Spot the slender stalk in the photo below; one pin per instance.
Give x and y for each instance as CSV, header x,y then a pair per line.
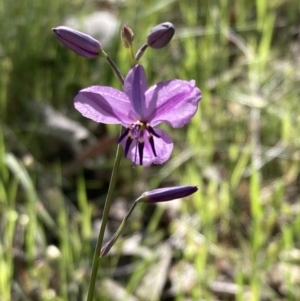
x,y
115,70
112,66
140,52
132,60
97,258
108,201
115,237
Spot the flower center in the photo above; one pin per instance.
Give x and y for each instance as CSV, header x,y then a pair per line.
x,y
139,131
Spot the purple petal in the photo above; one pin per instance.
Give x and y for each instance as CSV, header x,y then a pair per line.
x,y
135,86
105,105
163,147
174,102
167,194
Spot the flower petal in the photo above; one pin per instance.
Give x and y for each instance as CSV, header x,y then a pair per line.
x,y
135,86
163,147
174,102
105,105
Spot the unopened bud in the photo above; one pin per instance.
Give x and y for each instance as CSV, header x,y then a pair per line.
x,y
167,194
81,43
127,36
160,35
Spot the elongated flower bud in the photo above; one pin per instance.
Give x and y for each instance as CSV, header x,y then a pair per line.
x,y
81,43
160,35
153,196
127,36
166,194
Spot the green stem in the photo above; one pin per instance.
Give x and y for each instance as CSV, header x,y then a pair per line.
x,y
96,259
115,69
132,60
115,237
108,201
112,66
140,52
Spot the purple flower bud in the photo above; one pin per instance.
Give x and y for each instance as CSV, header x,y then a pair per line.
x,y
160,35
167,194
127,36
78,42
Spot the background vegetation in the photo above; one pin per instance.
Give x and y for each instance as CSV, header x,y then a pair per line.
x,y
236,239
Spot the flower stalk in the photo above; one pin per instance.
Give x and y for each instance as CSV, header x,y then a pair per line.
x,y
112,241
108,201
114,69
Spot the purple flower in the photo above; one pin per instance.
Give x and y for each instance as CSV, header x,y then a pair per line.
x,y
167,194
140,110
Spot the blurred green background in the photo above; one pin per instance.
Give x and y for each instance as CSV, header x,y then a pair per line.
x,y
238,238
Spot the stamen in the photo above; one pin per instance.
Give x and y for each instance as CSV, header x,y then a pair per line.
x,y
128,143
136,132
151,141
135,153
141,151
151,131
124,134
